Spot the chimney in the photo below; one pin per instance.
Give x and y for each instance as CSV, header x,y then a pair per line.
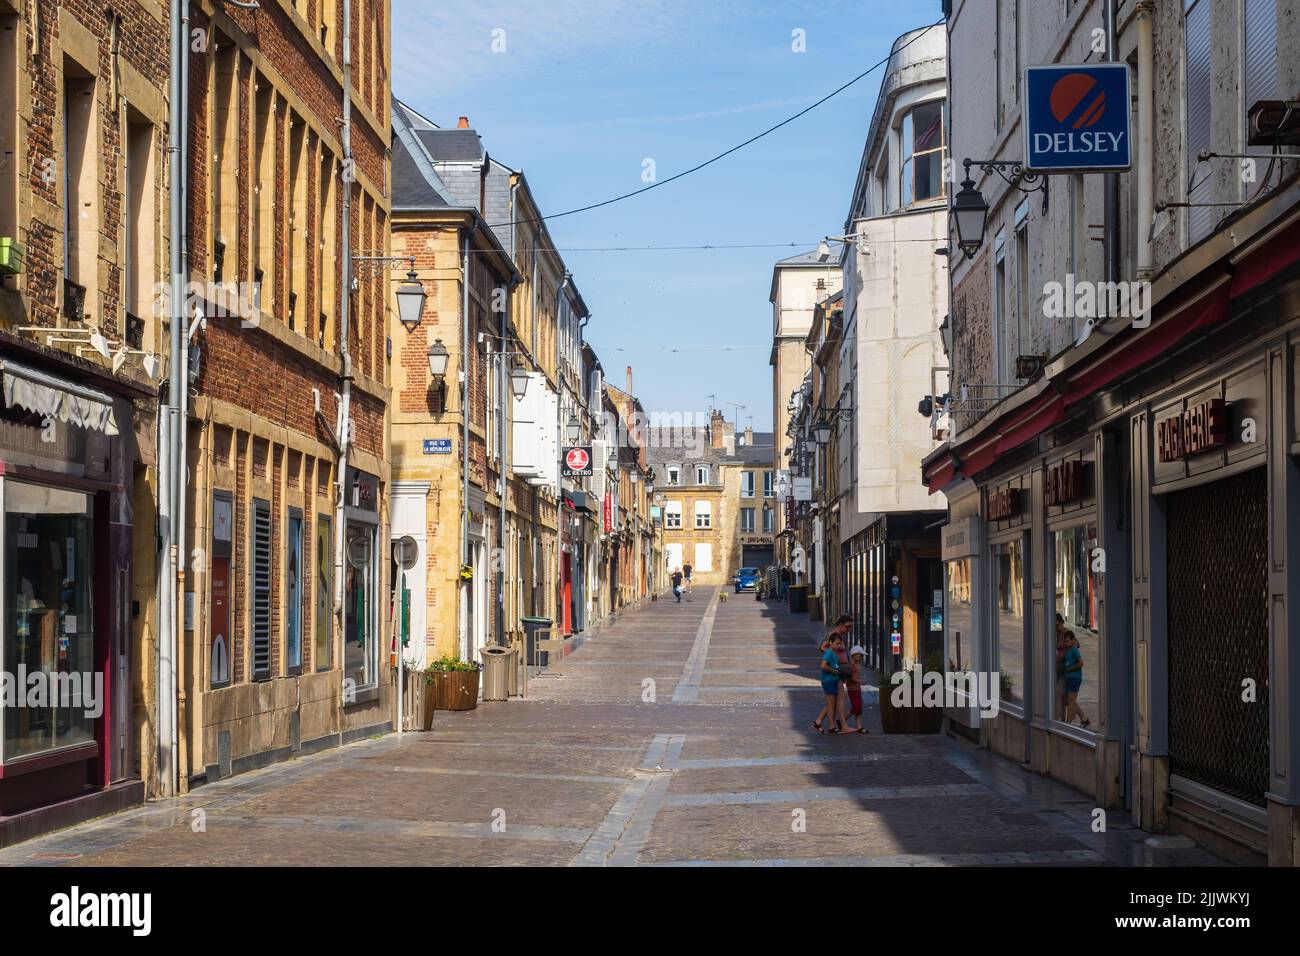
x,y
717,430
463,123
749,434
629,380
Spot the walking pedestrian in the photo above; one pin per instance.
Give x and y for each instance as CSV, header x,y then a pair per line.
x,y
830,677
677,584
687,571
853,687
1074,681
785,582
1062,646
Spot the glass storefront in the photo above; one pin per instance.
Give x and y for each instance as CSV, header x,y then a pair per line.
x,y
960,617
1076,592
360,636
1009,619
49,624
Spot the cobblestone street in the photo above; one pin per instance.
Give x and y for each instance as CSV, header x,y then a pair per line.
x,y
585,773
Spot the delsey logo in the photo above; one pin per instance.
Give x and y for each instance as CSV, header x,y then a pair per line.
x,y
1077,101
76,909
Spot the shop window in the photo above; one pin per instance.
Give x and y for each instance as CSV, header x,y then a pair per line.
x,y
1009,619
921,174
293,594
961,634
261,590
321,652
360,657
49,584
1076,640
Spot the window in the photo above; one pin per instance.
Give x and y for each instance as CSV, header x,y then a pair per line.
x,y
673,514
360,647
747,520
326,256
10,40
768,490
747,484
1259,45
703,515
293,594
80,192
140,219
1198,119
921,175
958,616
701,474
262,201
219,660
674,475
296,260
49,550
1076,599
703,558
321,654
261,590
769,520
225,153
1000,334
1023,334
1009,619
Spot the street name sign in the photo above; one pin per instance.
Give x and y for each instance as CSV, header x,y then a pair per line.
x,y
437,446
1077,118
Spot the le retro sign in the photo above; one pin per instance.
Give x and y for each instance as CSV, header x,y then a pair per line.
x,y
1077,118
577,461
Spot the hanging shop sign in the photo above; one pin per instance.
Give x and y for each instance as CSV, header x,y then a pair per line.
x,y
609,513
958,539
577,461
1002,504
362,490
803,490
1199,428
1077,118
1064,483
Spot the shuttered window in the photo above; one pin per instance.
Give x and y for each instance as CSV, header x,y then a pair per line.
x,y
261,590
1196,28
1259,21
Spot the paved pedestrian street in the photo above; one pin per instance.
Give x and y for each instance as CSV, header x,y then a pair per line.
x,y
679,736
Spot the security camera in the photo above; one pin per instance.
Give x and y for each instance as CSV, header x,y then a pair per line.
x,y
925,407
1088,326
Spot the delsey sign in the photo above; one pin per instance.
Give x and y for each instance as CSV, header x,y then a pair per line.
x,y
1077,118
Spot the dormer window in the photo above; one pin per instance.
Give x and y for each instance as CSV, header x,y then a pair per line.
x,y
701,474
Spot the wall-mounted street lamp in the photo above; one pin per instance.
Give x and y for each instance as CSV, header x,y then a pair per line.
x,y
438,356
824,247
970,210
573,431
821,429
518,381
410,294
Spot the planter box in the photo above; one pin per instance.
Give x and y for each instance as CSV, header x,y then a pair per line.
x,y
450,690
908,720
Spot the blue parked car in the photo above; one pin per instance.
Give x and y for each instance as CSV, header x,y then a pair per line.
x,y
747,579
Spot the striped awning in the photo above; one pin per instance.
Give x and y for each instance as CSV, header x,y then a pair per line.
x,y
48,395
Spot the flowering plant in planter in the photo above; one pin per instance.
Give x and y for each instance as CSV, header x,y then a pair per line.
x,y
451,684
445,664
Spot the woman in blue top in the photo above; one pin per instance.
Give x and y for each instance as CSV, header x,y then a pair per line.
x,y
1072,666
830,675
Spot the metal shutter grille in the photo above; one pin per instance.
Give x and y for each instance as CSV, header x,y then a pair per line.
x,y
1260,37
261,590
1217,547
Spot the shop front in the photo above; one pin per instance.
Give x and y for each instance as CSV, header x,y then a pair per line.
x,y
67,462
361,605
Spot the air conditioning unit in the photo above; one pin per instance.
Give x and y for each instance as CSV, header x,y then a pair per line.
x,y
1273,123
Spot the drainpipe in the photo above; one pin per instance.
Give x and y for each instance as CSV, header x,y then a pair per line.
x,y
463,589
170,426
1146,137
560,514
1111,233
345,401
504,457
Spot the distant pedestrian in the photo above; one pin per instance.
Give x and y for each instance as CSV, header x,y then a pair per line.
x,y
677,585
785,582
830,678
853,687
686,570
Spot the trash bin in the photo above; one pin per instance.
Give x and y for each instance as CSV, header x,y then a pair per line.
x,y
496,672
512,669
532,657
798,598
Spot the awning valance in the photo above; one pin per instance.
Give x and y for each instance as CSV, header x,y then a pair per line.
x,y
48,395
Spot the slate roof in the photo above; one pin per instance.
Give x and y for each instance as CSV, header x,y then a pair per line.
x,y
452,145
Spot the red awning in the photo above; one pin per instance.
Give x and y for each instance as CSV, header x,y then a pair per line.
x,y
1278,253
1041,415
942,474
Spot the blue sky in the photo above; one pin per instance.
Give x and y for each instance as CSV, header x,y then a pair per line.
x,y
587,90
